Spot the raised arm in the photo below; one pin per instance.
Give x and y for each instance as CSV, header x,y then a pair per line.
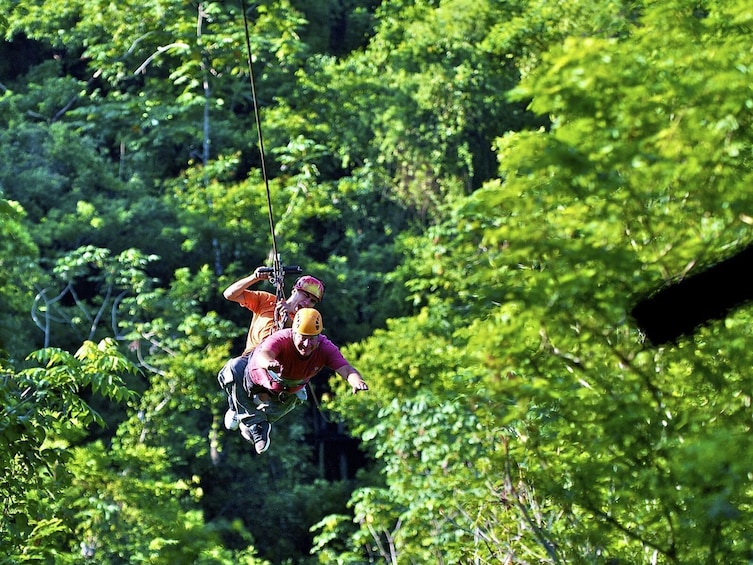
x,y
235,291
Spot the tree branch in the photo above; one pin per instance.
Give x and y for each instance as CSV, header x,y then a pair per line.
x,y
142,67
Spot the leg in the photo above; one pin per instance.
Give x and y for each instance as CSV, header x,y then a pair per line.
x,y
230,379
267,408
275,408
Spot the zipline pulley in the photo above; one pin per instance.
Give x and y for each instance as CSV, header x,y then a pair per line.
x,y
278,272
277,278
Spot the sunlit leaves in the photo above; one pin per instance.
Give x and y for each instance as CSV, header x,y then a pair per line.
x,y
665,141
630,173
111,503
517,415
18,272
44,410
642,176
99,366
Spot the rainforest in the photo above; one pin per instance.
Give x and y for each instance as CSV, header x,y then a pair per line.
x,y
498,196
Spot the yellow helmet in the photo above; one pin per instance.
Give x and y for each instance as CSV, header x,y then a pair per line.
x,y
307,321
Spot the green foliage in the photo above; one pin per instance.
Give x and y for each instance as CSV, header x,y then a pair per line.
x,y
111,501
72,197
18,272
43,412
155,73
50,171
91,289
579,442
514,413
417,110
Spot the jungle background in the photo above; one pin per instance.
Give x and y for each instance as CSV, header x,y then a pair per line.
x,y
487,188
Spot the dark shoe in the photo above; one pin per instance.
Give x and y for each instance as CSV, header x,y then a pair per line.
x,y
258,434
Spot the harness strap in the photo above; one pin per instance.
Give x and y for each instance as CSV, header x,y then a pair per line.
x,y
260,380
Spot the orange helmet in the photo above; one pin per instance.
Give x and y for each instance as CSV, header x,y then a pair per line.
x,y
309,284
307,321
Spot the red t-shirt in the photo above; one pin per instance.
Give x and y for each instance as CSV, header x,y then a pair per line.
x,y
295,367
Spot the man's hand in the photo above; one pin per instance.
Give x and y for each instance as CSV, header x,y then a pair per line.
x,y
282,312
261,273
274,365
355,381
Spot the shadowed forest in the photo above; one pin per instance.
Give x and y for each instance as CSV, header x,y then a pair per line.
x,y
533,220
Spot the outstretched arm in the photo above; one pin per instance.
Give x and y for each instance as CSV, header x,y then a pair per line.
x,y
264,358
235,291
354,378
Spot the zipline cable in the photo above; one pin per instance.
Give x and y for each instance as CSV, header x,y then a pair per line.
x,y
278,273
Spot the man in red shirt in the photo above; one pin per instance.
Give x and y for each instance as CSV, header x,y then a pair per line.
x,y
307,292
280,367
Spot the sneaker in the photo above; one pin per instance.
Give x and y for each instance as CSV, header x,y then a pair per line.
x,y
231,420
258,434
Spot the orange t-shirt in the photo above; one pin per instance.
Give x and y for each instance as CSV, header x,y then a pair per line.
x,y
262,304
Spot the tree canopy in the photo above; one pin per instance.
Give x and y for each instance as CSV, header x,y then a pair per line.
x,y
487,189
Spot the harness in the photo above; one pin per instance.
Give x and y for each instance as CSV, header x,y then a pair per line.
x,y
289,385
259,380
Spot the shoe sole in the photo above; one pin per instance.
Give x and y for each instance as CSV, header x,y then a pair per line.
x,y
266,444
231,425
246,434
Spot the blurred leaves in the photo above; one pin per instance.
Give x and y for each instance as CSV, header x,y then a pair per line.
x,y
486,189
